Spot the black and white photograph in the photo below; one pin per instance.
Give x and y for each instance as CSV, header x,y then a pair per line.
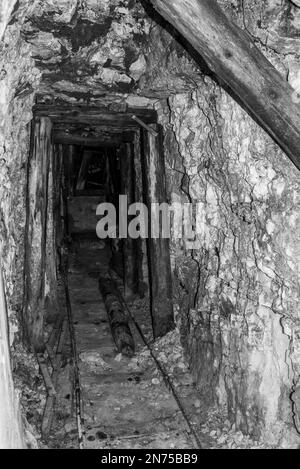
x,y
149,228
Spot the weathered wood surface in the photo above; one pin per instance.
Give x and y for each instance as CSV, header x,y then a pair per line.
x,y
96,115
158,247
65,139
131,246
36,229
233,57
117,319
50,389
10,421
58,203
142,265
52,225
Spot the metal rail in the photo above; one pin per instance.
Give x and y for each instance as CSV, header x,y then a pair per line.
x,y
77,386
168,381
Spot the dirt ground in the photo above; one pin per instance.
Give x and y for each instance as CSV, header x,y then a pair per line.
x,y
126,403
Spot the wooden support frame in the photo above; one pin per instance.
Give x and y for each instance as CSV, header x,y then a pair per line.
x,y
158,249
95,115
237,62
36,231
65,139
131,246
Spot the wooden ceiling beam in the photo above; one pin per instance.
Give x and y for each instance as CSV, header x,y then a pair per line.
x,y
69,139
95,115
238,63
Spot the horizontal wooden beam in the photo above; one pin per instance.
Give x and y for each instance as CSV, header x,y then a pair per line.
x,y
95,116
93,143
233,57
91,130
114,140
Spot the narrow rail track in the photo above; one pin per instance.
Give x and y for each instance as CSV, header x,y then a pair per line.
x,y
76,384
115,405
166,378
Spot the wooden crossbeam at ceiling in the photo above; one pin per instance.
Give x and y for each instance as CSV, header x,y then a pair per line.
x,y
66,139
91,115
234,58
92,137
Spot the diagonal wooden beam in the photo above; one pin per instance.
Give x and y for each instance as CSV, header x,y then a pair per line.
x,y
81,180
237,62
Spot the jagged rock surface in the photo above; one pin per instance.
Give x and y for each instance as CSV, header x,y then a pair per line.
x,y
238,295
242,322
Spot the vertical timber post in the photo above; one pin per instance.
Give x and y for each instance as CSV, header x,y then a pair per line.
x,y
68,161
36,231
140,246
51,305
158,248
58,204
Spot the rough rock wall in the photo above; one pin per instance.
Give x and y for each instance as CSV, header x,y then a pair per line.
x,y
104,51
72,50
242,323
238,293
18,78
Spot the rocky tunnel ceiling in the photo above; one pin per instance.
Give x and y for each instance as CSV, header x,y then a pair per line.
x,y
90,51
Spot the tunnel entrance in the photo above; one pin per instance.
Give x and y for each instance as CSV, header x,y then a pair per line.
x,y
80,159
98,175
95,157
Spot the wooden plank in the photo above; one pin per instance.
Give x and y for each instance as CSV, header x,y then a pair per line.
x,y
65,138
131,246
35,236
158,248
51,303
233,57
93,131
117,319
